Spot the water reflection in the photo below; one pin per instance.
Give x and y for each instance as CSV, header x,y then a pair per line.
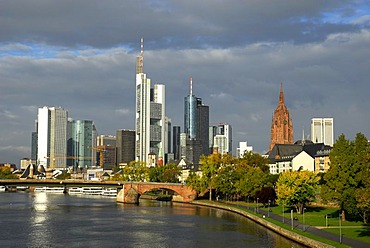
x,y
49,220
40,232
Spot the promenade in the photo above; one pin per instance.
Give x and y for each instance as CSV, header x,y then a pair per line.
x,y
265,215
318,231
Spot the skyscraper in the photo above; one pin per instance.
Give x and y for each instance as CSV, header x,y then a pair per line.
x,y
52,137
243,147
150,115
196,124
176,142
83,140
222,137
282,125
322,131
125,146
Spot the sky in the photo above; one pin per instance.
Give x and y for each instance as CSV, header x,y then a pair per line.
x,y
80,55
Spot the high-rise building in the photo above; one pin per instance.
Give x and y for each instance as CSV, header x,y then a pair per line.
x,y
34,147
83,143
125,145
150,115
282,125
221,137
106,140
322,131
243,147
176,142
52,137
196,124
106,151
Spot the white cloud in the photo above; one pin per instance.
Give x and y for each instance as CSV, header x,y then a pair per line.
x,y
122,112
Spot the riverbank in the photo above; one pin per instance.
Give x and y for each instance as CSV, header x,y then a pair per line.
x,y
295,236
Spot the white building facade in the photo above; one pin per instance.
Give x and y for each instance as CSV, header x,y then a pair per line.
x,y
322,131
52,137
150,115
222,137
243,147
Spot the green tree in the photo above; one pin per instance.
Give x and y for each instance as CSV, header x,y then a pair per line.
x,y
135,171
226,181
171,173
252,159
363,203
195,181
296,188
168,173
348,174
251,181
6,173
209,167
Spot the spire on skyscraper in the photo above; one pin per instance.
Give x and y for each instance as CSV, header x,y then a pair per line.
x,y
191,86
139,59
142,46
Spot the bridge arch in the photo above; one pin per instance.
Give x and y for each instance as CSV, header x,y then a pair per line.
x,y
131,191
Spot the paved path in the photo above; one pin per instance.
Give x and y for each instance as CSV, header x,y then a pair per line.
x,y
313,230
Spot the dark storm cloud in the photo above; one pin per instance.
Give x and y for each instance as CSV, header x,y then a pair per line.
x,y
81,55
177,24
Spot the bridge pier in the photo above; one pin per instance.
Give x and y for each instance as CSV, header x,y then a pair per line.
x,y
129,195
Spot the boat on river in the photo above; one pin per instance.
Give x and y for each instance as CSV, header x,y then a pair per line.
x,y
59,190
92,190
2,188
109,192
75,190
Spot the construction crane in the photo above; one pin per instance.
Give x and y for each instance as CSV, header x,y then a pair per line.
x,y
100,150
55,157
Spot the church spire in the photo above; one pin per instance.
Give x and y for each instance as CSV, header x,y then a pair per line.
x,y
281,97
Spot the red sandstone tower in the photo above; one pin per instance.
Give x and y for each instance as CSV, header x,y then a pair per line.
x,y
282,125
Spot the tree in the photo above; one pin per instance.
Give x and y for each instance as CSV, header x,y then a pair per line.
x,y
194,180
136,171
226,181
251,181
266,195
252,159
171,173
209,167
6,173
348,174
168,173
297,188
363,203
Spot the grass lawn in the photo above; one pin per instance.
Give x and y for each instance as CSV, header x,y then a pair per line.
x,y
287,223
315,216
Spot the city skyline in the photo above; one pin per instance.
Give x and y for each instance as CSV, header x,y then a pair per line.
x,y
238,54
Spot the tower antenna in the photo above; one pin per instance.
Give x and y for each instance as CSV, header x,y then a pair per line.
x,y
142,46
191,86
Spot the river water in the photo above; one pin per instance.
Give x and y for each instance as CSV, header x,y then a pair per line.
x,y
57,220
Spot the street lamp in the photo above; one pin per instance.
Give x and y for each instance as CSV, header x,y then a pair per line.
x,y
291,217
304,226
340,228
268,212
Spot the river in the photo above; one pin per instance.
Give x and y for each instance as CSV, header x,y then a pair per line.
x,y
57,220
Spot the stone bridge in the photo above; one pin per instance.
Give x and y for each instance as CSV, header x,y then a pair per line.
x,y
128,192
131,191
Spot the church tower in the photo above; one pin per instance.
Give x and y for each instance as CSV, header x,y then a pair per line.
x,y
282,125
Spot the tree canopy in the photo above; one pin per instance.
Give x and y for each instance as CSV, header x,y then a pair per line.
x,y
297,188
231,177
347,180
